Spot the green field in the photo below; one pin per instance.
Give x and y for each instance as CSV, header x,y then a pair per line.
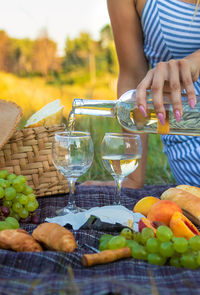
x,y
158,171
33,93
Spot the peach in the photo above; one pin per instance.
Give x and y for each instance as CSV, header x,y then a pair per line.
x,y
182,226
162,211
144,204
144,222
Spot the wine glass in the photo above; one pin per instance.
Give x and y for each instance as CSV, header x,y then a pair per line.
x,y
72,155
120,154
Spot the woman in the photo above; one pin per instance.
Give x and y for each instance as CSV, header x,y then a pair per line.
x,y
164,34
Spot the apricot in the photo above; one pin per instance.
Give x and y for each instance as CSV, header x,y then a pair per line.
x,y
162,211
182,226
144,204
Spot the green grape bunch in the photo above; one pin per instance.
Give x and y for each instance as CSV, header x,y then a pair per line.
x,y
162,248
17,199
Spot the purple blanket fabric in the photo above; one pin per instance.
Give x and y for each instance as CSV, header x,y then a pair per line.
x,y
62,273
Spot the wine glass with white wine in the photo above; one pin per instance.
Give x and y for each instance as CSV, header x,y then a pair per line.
x,y
121,153
72,155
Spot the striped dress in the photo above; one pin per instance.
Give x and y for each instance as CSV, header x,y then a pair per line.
x,y
172,31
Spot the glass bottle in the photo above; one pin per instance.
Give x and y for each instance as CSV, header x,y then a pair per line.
x,y
130,117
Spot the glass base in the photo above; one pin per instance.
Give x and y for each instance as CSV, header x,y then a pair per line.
x,y
67,210
116,203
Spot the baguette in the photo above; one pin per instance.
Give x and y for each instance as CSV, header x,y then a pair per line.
x,y
105,256
191,189
189,203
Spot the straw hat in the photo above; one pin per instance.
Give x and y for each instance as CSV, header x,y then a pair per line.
x,y
10,116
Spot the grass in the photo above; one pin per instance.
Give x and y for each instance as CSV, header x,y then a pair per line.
x,y
158,171
33,93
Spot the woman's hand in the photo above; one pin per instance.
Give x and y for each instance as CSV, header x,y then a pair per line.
x,y
171,77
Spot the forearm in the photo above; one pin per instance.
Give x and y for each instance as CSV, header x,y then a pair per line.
x,y
137,178
126,82
130,80
128,39
133,65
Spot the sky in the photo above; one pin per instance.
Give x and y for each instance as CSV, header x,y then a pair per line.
x,y
61,18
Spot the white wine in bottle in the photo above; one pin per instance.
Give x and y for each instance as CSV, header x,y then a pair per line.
x,y
129,116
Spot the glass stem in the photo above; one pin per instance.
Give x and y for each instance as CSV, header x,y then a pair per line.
x,y
71,202
118,185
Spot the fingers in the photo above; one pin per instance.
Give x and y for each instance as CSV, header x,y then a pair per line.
x,y
186,78
154,79
175,89
159,78
175,73
141,92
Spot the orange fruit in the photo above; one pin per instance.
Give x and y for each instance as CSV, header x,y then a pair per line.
x,y
143,205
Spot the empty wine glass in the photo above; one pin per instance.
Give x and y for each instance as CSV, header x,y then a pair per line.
x,y
120,154
72,155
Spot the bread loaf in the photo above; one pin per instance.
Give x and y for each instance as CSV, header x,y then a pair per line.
x,y
189,203
191,189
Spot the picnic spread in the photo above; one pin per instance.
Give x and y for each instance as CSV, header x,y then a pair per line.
x,y
147,244
54,272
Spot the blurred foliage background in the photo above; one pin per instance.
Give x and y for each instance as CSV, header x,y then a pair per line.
x,y
33,74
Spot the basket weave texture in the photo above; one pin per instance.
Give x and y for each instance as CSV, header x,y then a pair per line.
x,y
28,152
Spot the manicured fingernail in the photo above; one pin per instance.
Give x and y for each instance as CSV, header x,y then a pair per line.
x,y
177,115
142,110
192,103
161,118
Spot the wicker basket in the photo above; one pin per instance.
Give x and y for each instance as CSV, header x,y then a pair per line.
x,y
28,152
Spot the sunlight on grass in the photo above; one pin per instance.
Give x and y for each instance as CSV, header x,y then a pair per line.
x,y
33,93
158,171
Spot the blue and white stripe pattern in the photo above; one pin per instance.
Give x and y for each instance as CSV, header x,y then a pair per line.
x,y
172,31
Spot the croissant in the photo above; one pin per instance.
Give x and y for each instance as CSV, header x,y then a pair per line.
x,y
18,240
55,237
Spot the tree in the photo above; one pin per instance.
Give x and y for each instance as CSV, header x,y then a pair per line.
x,y
106,36
44,55
20,56
80,53
107,54
4,51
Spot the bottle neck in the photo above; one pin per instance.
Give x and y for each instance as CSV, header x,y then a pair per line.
x,y
92,107
107,108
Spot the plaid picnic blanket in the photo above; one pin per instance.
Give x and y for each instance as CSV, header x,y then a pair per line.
x,y
55,273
